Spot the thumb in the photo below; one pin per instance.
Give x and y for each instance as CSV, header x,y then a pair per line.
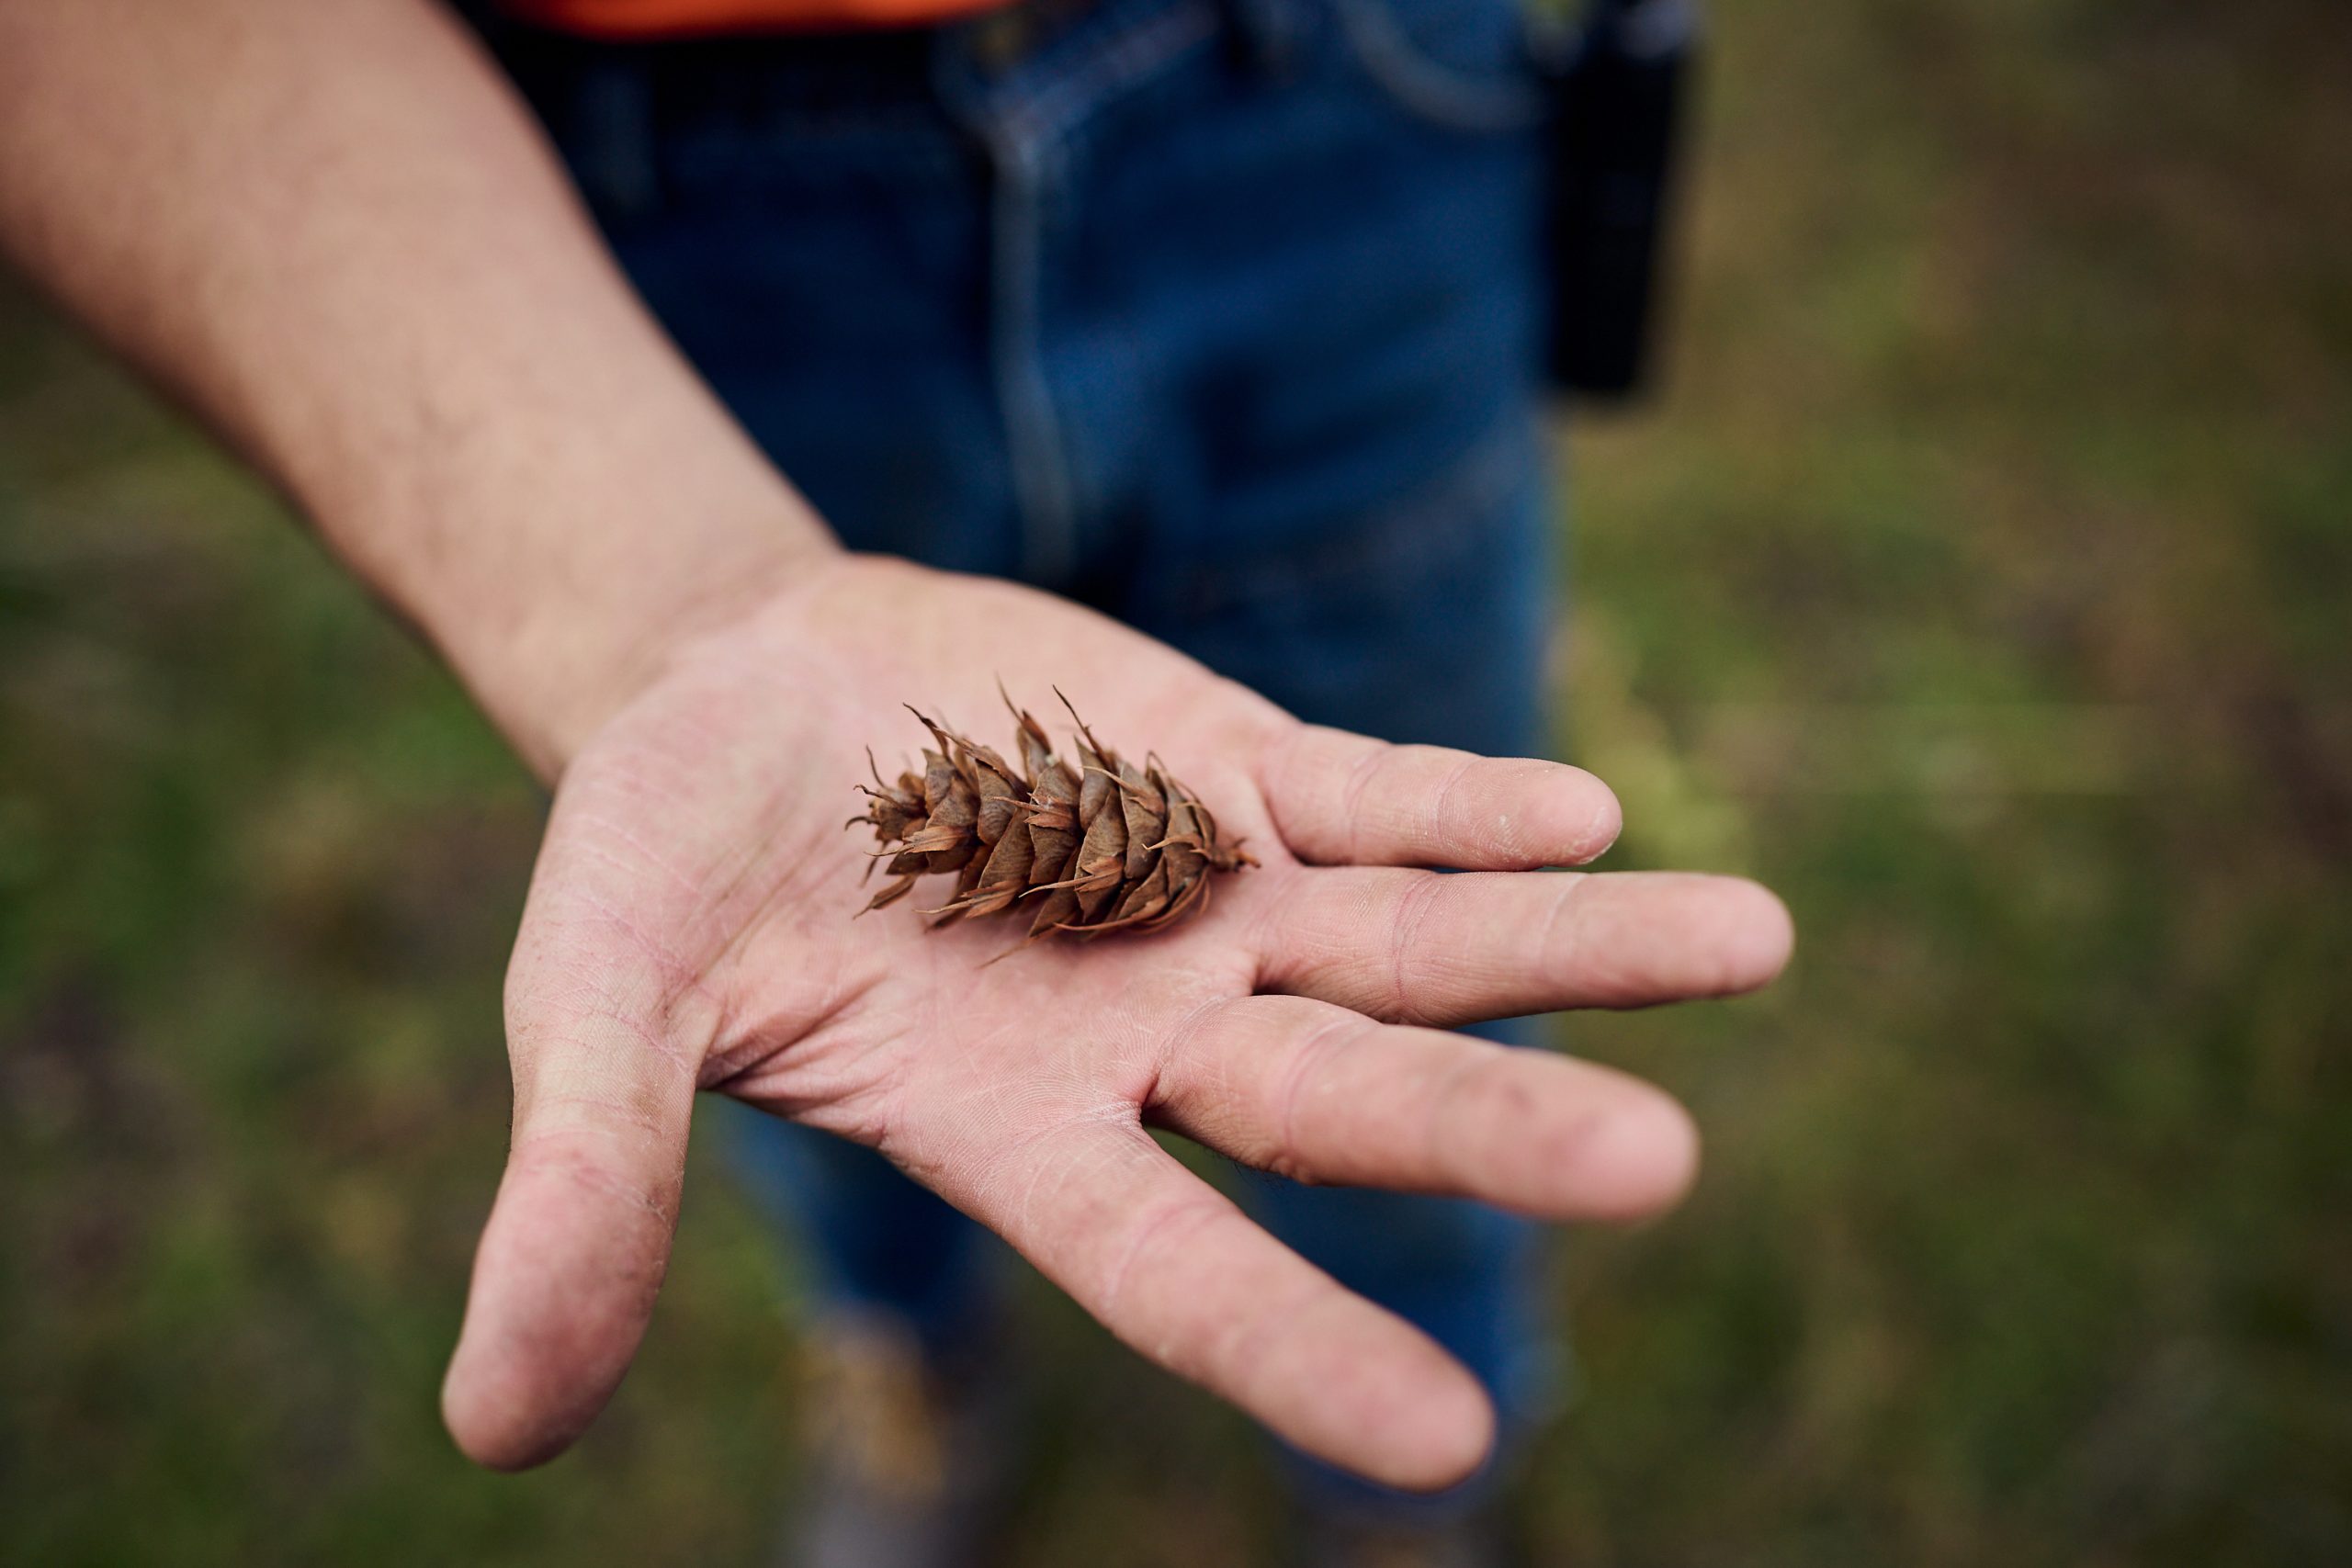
x,y
579,1239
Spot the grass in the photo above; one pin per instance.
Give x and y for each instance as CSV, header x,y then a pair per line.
x,y
1981,586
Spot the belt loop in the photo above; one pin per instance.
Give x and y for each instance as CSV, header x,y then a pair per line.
x,y
612,112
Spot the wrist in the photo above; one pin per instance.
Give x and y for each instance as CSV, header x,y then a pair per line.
x,y
564,668
557,571
559,576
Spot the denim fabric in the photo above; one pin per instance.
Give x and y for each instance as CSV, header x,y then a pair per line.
x,y
1219,315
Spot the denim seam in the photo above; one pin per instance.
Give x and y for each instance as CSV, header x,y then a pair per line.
x,y
1023,141
1459,100
1041,476
1060,102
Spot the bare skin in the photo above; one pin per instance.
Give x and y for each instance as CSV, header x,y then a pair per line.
x,y
326,224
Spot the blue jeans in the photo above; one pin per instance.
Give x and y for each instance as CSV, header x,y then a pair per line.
x,y
1218,315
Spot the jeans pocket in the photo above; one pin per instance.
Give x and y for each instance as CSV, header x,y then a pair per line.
x,y
1462,66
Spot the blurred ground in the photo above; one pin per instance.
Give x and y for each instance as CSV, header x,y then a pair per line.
x,y
1983,587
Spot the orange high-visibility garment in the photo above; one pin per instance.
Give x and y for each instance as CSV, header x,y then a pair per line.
x,y
682,18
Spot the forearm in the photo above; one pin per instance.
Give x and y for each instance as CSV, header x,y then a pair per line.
x,y
330,226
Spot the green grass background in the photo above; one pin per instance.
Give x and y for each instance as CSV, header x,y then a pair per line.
x,y
1982,585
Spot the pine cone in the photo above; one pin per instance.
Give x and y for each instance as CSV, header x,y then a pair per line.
x,y
1110,847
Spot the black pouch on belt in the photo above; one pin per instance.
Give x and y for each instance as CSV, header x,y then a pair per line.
x,y
1618,86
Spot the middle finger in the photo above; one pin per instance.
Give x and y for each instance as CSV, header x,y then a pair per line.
x,y
1423,947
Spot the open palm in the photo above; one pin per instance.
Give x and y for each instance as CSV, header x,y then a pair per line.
x,y
690,926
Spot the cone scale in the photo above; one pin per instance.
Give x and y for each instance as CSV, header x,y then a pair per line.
x,y
1106,845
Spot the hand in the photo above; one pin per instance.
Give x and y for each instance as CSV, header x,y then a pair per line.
x,y
689,927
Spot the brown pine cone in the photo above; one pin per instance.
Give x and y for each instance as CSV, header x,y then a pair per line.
x,y
1109,847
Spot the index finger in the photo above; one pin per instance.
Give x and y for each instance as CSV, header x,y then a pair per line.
x,y
1344,799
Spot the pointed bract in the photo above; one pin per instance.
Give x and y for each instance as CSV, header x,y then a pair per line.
x,y
1100,847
